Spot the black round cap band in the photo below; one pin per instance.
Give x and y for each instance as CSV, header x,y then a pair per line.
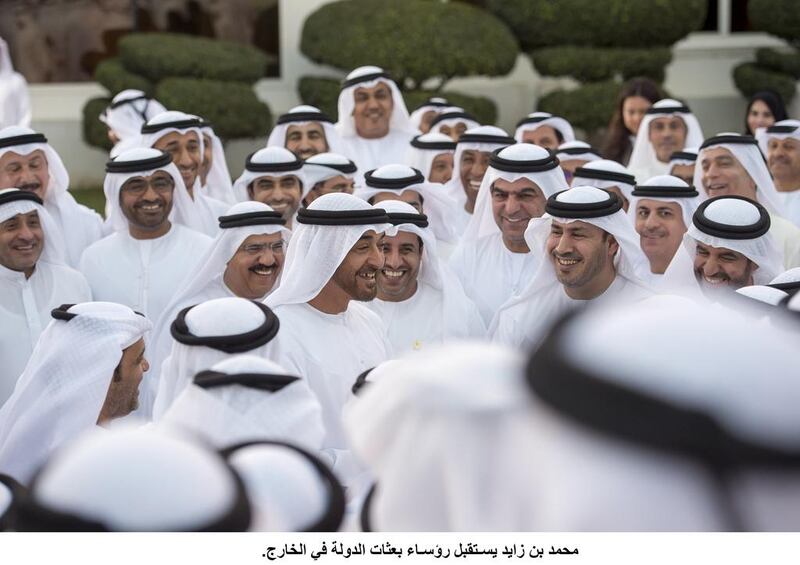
x,y
597,174
434,103
17,195
397,218
665,192
393,184
347,169
452,116
584,209
683,155
286,167
148,164
177,124
735,139
365,78
239,343
264,218
781,129
23,139
727,231
433,145
128,101
578,151
62,313
260,381
290,117
486,138
342,217
512,166
534,120
669,110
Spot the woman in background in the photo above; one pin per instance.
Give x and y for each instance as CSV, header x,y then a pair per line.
x,y
764,109
634,99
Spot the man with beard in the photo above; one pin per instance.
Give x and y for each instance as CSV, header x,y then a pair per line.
x,y
419,298
85,371
732,164
544,129
731,244
28,162
782,142
142,265
493,260
273,176
373,120
305,131
326,334
470,162
668,126
592,255
33,279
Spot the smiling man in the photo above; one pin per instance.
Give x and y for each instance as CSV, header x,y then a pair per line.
x,y
732,246
373,120
493,260
33,279
141,264
305,131
782,142
667,127
273,176
592,254
327,335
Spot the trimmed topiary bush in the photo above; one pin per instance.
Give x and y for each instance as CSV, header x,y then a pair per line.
x,y
232,108
778,17
324,94
750,78
588,107
592,64
786,63
116,78
414,40
610,23
95,131
161,55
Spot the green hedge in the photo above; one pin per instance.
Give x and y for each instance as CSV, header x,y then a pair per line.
x,y
324,94
589,107
778,17
786,63
592,64
412,39
95,131
750,78
607,23
115,78
161,55
231,107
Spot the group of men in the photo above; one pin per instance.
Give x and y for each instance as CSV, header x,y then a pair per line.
x,y
249,309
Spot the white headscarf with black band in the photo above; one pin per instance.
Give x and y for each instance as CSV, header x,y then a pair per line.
x,y
436,104
207,208
144,162
578,150
325,166
524,319
14,202
269,162
65,383
240,222
484,139
644,162
210,332
536,120
247,398
173,483
687,156
452,116
301,116
605,174
788,281
79,225
779,130
128,112
218,181
397,179
425,148
324,234
738,224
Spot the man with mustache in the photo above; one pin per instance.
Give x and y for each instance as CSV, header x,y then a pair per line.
x,y
148,255
327,335
592,255
33,280
732,245
782,142
29,163
373,120
668,126
732,164
493,260
305,131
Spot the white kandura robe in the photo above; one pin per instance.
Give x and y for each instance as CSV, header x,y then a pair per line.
x,y
25,306
523,325
330,351
370,154
491,274
421,321
791,206
787,239
142,274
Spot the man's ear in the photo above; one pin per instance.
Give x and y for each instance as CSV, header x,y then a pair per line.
x,y
613,246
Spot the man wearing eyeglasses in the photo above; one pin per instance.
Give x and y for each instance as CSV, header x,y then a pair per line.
x,y
151,248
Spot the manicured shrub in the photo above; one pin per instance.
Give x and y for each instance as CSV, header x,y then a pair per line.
x,y
750,78
592,64
95,131
116,78
589,107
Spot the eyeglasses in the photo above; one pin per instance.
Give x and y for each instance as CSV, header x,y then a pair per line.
x,y
138,186
259,248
